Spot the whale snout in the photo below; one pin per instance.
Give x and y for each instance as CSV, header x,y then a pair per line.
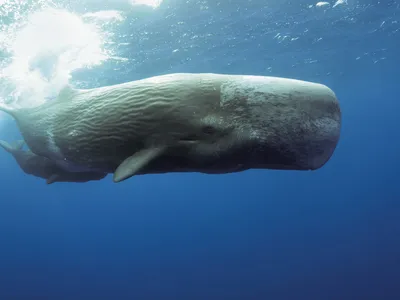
x,y
320,121
296,124
323,143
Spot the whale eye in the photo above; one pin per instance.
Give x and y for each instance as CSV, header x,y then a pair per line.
x,y
206,130
191,138
209,130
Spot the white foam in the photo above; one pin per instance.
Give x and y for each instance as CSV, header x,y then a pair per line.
x,y
339,2
322,3
45,46
105,15
151,3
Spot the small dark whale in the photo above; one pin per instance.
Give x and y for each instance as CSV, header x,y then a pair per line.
x,y
209,123
43,167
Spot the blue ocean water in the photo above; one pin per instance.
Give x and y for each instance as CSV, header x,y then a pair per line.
x,y
328,234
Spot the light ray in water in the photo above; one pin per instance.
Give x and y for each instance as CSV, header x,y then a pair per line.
x,y
43,50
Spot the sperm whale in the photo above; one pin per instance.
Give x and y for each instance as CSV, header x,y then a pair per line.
x,y
186,122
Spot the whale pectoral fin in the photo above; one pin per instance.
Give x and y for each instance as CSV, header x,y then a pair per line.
x,y
134,163
6,146
19,144
53,178
12,148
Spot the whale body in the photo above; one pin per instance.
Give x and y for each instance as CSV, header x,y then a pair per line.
x,y
186,122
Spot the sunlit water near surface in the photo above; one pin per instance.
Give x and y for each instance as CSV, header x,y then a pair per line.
x,y
329,234
44,42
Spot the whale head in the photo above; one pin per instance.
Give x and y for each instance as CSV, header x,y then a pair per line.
x,y
213,123
270,123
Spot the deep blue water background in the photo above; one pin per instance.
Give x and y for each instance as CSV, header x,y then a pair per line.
x,y
329,234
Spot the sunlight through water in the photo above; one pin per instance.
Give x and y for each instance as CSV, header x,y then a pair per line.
x,y
43,48
42,44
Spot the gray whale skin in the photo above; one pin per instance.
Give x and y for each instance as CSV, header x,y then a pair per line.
x,y
186,122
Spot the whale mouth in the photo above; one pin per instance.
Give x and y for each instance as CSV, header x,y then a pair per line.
x,y
327,136
320,143
323,153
